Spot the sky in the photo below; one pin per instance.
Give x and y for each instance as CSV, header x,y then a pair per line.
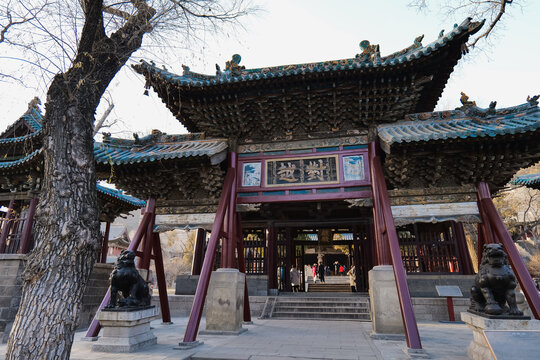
x,y
299,31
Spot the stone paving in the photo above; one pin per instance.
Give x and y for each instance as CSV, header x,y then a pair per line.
x,y
290,339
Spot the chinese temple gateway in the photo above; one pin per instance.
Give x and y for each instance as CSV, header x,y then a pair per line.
x,y
344,154
332,161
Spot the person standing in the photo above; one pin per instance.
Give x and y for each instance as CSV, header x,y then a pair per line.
x,y
352,278
295,279
321,272
341,270
314,271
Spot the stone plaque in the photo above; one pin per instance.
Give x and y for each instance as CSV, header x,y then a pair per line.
x,y
447,290
512,345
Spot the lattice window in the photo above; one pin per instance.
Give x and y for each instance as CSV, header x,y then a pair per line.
x,y
429,248
255,251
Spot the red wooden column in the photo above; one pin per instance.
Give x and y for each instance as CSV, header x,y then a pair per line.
x,y
105,243
204,279
6,226
383,201
27,230
381,242
271,258
522,274
463,249
242,267
480,243
198,251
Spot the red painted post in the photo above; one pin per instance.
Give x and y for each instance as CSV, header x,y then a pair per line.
x,y
522,274
271,252
204,279
105,243
144,262
93,329
162,284
198,251
6,226
231,218
381,234
463,249
482,191
242,267
450,304
409,321
27,230
480,243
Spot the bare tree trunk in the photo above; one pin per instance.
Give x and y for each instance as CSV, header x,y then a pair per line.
x,y
66,234
67,226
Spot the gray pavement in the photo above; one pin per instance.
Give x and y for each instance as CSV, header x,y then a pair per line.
x,y
290,339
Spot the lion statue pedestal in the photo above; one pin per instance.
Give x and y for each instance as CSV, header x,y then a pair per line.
x,y
126,319
493,302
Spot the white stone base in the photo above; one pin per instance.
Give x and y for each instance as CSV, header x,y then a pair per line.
x,y
225,302
383,296
478,348
126,331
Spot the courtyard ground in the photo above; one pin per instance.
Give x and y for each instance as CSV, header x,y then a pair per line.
x,y
290,339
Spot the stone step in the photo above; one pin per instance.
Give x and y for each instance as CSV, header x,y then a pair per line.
x,y
356,310
322,316
324,303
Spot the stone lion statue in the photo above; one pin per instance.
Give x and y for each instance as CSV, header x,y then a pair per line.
x,y
126,279
493,292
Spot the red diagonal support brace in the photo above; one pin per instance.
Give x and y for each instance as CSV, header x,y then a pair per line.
x,y
204,278
383,201
522,274
162,285
94,328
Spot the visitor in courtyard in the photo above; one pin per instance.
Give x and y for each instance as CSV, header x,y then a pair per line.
x,y
336,267
314,271
295,279
321,272
352,278
327,270
341,270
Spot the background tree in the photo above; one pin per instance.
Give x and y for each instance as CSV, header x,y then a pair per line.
x,y
83,45
492,11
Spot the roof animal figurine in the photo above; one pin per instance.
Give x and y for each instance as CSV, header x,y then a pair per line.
x,y
465,101
369,52
233,66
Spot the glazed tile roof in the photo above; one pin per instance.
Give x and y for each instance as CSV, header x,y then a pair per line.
x,y
119,194
466,122
531,180
156,147
32,119
235,73
21,162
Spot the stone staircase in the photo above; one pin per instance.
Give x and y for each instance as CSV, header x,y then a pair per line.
x,y
331,284
307,307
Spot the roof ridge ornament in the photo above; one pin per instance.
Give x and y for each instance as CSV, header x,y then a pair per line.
x,y
369,52
33,104
233,66
533,101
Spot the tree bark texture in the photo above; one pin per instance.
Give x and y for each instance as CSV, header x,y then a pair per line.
x,y
66,230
